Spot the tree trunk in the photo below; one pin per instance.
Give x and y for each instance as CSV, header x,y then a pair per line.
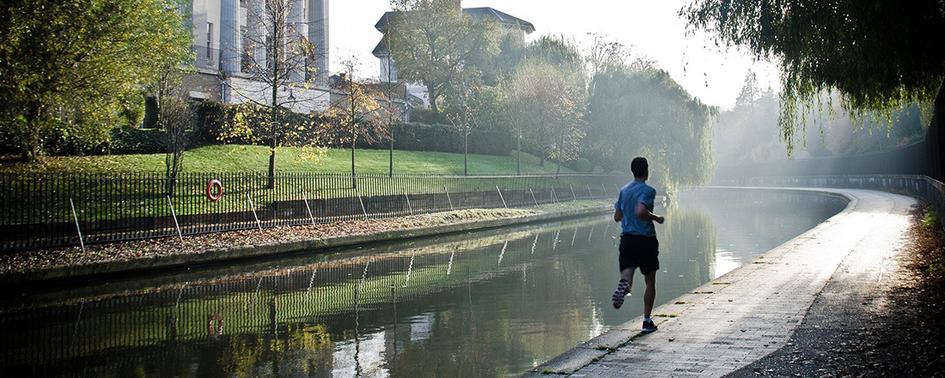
x,y
432,96
33,146
518,155
465,153
354,177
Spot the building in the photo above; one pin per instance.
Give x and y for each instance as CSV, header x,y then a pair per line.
x,y
511,26
232,58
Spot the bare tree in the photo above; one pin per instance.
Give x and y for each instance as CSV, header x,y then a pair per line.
x,y
277,53
356,115
603,54
461,112
176,119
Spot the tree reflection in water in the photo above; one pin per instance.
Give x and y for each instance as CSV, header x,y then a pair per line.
x,y
487,303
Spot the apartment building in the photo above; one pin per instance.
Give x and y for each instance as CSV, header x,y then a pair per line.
x,y
233,44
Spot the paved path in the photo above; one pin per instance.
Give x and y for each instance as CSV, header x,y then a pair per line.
x,y
752,311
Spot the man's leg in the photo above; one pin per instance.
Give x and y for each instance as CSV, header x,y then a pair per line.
x,y
627,274
623,286
649,295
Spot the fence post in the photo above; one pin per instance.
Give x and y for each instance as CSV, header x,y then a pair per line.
x,y
170,205
448,198
589,193
307,207
501,197
573,197
406,197
363,209
533,196
603,190
77,228
554,197
253,208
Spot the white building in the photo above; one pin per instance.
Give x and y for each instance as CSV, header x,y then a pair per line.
x,y
230,39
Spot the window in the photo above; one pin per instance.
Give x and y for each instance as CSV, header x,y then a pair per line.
x,y
210,41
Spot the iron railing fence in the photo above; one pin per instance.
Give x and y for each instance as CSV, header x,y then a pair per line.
x,y
42,210
919,186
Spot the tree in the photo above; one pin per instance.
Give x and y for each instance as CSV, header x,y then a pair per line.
x,y
176,119
356,116
879,55
550,103
433,42
461,111
604,55
277,53
633,113
68,67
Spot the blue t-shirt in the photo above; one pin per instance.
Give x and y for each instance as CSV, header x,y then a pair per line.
x,y
634,192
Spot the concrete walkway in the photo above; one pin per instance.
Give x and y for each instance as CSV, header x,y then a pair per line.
x,y
752,311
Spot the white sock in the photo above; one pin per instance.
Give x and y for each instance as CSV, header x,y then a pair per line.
x,y
647,319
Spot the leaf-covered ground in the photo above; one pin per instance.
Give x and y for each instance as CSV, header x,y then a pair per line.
x,y
897,330
143,249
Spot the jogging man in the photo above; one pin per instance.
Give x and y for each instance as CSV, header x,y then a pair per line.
x,y
638,245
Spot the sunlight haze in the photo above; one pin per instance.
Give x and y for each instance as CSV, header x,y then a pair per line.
x,y
653,29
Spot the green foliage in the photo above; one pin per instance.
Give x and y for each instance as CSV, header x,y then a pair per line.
x,y
433,42
251,124
71,70
930,219
646,113
879,55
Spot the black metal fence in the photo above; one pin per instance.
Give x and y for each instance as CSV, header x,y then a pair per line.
x,y
54,209
919,186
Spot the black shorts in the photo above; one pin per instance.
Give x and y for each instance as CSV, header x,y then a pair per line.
x,y
637,251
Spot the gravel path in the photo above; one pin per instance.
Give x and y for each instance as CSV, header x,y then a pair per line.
x,y
134,250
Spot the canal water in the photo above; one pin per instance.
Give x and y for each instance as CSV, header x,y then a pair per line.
x,y
491,303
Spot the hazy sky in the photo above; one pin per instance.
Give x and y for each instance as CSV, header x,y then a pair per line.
x,y
714,75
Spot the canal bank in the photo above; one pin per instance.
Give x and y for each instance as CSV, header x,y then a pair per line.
x,y
242,245
753,310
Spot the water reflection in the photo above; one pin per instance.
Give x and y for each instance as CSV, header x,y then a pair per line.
x,y
491,303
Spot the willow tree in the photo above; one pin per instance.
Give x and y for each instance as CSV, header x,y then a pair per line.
x,y
68,68
879,55
645,112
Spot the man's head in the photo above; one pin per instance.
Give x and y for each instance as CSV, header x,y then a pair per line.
x,y
640,168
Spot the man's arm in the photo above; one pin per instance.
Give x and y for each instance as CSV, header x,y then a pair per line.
x,y
618,215
646,214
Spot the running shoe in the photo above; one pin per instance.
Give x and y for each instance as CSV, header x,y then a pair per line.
x,y
649,326
622,290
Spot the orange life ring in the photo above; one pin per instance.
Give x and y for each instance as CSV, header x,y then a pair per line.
x,y
215,325
214,190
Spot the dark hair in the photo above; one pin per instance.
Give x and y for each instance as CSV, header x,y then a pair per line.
x,y
639,167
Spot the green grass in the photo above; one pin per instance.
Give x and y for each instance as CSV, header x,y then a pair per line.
x,y
237,158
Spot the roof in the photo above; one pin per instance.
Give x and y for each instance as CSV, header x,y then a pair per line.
x,y
381,49
482,12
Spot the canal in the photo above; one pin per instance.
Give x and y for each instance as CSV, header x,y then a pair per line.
x,y
491,303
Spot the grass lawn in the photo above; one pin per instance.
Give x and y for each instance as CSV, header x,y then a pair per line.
x,y
232,158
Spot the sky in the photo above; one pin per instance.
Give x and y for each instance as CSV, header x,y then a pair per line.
x,y
714,75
